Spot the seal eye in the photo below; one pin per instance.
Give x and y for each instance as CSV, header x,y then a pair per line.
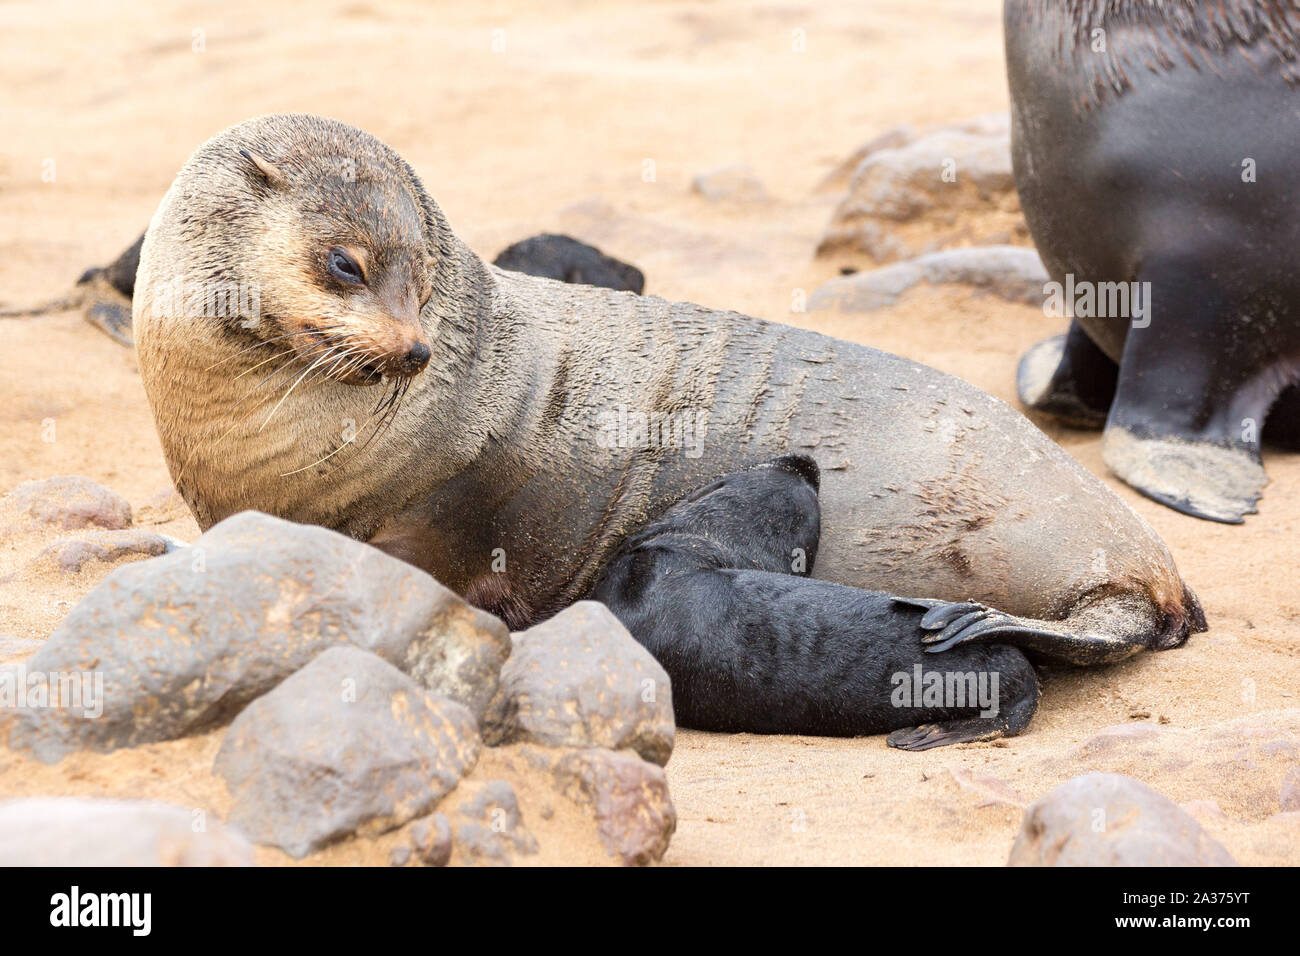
x,y
344,268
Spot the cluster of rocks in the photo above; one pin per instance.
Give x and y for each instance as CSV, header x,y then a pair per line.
x,y
357,694
940,206
97,519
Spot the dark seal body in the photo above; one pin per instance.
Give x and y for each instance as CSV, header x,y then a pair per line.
x,y
554,420
1155,143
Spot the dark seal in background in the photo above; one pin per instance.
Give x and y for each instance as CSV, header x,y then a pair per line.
x,y
1157,143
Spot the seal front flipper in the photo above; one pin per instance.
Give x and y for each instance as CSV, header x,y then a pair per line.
x,y
1069,378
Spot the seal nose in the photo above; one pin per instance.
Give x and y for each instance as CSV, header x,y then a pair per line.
x,y
416,359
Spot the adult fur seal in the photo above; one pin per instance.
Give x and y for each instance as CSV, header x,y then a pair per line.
x,y
1155,156
709,589
549,422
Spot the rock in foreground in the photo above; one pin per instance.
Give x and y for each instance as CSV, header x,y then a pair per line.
x,y
581,680
82,832
1103,819
348,745
629,798
182,642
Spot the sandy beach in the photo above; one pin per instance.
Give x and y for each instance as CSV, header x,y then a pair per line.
x,y
528,118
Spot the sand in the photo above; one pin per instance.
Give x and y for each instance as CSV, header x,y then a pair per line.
x,y
555,132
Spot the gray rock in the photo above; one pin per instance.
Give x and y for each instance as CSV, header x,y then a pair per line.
x,y
71,555
839,178
460,652
348,745
1103,819
490,830
71,501
183,641
399,855
629,798
581,680
82,832
893,188
729,184
1012,272
431,840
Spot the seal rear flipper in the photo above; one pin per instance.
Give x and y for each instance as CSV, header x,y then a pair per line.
x,y
1069,378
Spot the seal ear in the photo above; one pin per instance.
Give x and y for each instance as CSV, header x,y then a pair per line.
x,y
268,170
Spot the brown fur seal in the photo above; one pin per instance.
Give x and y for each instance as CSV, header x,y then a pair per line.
x,y
552,421
1155,157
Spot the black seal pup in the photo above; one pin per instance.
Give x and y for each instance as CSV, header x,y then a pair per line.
x,y
716,590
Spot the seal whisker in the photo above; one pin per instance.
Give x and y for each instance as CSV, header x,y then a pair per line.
x,y
252,391
343,364
260,343
386,419
385,402
318,461
252,368
348,358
